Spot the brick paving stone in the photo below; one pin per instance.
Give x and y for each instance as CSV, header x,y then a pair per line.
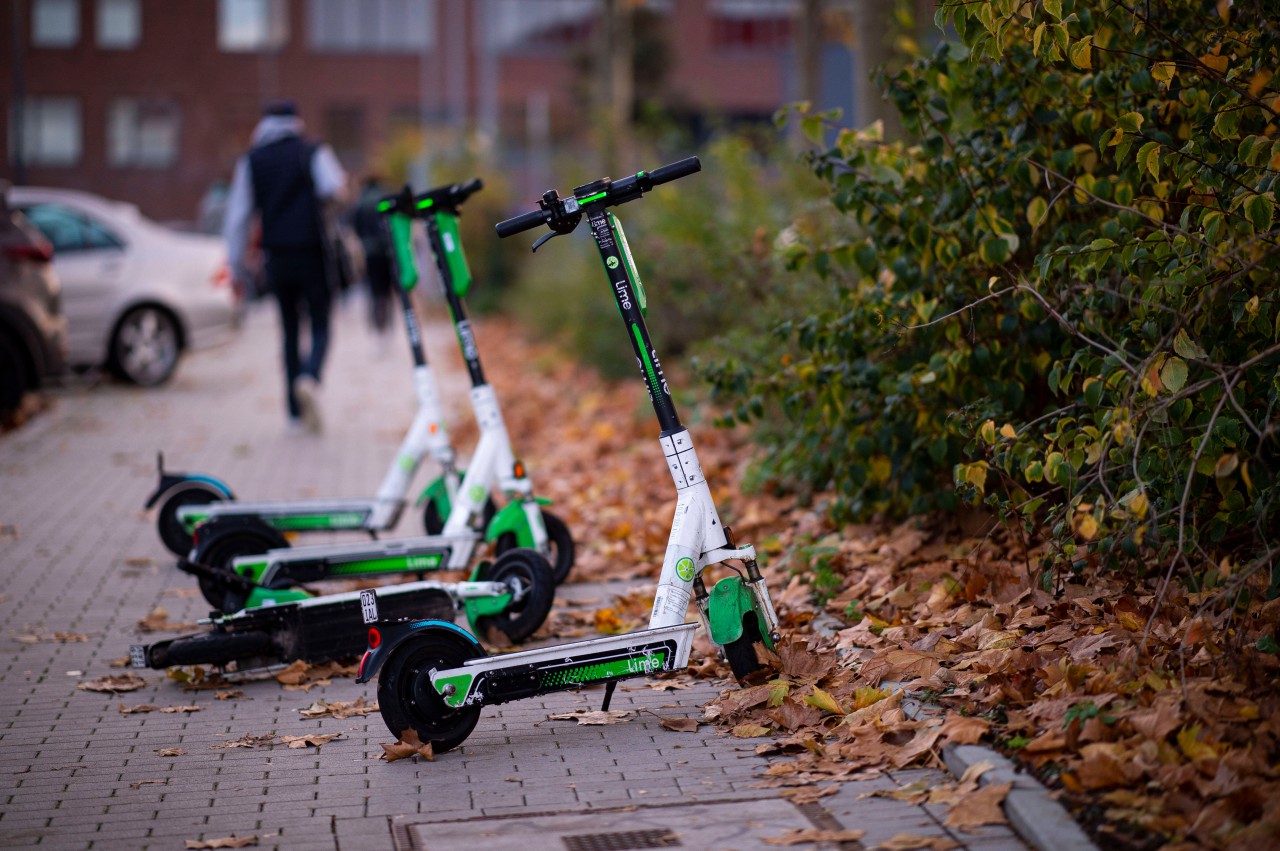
x,y
85,558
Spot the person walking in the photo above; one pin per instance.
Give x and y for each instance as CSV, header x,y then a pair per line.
x,y
287,180
376,246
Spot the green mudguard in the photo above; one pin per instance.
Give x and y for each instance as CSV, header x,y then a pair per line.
x,y
731,600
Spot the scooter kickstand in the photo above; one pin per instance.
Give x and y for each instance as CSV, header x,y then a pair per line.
x,y
608,694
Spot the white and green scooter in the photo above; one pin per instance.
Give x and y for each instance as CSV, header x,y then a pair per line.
x,y
234,527
241,565
435,677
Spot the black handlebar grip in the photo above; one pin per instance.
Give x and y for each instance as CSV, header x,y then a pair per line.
x,y
675,170
471,187
522,222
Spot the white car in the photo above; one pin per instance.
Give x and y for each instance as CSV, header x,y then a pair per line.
x,y
135,293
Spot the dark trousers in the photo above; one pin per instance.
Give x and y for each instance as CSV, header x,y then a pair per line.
x,y
378,270
297,277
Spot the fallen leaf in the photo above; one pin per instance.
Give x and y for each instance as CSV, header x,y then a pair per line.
x,y
979,807
60,637
679,725
138,784
809,836
339,709
171,752
749,731
230,694
589,717
408,745
248,740
309,741
964,730
114,683
158,621
224,842
151,707
802,795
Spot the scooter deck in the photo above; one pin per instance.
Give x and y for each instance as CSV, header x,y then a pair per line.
x,y
293,515
510,676
334,561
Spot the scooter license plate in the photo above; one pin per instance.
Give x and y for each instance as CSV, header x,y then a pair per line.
x,y
369,606
138,655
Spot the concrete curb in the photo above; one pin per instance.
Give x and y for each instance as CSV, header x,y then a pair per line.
x,y
1041,821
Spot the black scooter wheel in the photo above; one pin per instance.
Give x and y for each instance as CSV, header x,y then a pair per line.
x,y
741,653
211,648
406,698
528,575
174,535
562,551
433,522
219,550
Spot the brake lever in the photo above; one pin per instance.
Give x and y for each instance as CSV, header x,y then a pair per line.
x,y
550,235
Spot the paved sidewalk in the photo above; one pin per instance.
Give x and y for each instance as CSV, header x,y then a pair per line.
x,y
79,556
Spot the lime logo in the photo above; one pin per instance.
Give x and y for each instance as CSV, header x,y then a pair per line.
x,y
684,569
477,494
612,262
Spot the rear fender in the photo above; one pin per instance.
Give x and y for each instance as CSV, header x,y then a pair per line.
x,y
386,636
172,481
731,600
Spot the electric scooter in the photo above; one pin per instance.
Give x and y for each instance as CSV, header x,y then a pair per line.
x,y
188,500
435,677
247,546
321,629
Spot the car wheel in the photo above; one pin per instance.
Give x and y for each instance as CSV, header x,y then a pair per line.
x,y
145,347
13,374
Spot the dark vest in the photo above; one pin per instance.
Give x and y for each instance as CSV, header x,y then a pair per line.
x,y
284,194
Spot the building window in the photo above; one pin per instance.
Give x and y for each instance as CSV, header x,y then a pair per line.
x,y
248,25
119,24
50,131
752,24
55,23
520,26
142,133
371,26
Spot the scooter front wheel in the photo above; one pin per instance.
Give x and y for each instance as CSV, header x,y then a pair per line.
x,y
528,575
561,550
408,701
741,652
172,533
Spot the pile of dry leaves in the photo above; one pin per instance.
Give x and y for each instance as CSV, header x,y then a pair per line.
x,y
1157,724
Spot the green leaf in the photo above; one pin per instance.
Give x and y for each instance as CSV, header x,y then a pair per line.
x,y
1162,72
1079,53
1131,122
1036,38
1149,158
1187,347
1259,209
1054,7
811,126
994,251
1174,374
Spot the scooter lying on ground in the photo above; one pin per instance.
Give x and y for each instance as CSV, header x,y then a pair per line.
x,y
247,547
233,528
435,677
321,629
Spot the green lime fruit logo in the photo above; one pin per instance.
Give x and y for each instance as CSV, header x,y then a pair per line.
x,y
612,262
684,569
477,493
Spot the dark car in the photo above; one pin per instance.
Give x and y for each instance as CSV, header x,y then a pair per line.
x,y
33,332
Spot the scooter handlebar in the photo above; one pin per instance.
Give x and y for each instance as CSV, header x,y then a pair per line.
x,y
521,223
675,170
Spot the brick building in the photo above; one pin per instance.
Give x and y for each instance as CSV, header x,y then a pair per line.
x,y
151,100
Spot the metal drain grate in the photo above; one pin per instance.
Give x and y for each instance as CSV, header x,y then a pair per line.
x,y
622,840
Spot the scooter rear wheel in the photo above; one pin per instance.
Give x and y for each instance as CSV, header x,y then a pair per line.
x,y
560,542
174,535
407,699
219,550
526,571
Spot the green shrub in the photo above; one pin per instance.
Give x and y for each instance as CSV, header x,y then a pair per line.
x,y
1063,298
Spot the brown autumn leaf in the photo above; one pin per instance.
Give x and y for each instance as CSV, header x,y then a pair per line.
x,y
231,841
911,842
357,708
59,637
312,740
304,676
158,621
964,729
171,752
590,717
230,694
749,731
811,836
801,795
408,745
248,740
979,807
114,683
915,792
